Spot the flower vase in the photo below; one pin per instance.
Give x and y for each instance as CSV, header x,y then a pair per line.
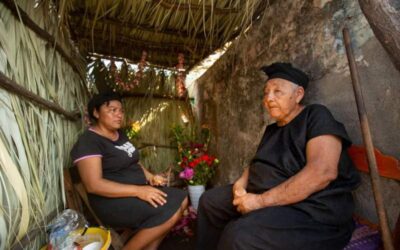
x,y
194,193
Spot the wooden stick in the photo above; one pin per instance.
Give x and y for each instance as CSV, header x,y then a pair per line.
x,y
202,7
116,22
373,169
154,96
93,56
17,89
145,145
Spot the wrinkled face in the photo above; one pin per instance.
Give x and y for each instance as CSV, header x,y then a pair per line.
x,y
110,115
282,98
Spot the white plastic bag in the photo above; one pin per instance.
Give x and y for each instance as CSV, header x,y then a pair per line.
x,y
63,230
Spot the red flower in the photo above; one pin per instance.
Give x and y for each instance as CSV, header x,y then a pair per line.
x,y
210,161
192,164
204,157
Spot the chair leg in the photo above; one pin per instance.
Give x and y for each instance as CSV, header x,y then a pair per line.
x,y
116,242
126,235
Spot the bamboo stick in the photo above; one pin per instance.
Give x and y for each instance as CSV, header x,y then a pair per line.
x,y
155,96
183,6
117,22
146,144
93,55
376,185
15,88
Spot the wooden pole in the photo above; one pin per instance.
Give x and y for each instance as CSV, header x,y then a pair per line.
x,y
15,88
376,185
154,96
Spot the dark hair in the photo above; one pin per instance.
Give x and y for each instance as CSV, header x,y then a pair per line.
x,y
100,99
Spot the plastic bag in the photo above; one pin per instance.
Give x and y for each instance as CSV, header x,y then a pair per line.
x,y
65,228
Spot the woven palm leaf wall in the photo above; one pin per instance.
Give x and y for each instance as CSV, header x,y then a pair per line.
x,y
34,141
157,118
152,104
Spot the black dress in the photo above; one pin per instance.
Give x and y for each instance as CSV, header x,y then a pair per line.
x,y
322,221
120,164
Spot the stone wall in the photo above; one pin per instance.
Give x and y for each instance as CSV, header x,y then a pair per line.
x,y
308,34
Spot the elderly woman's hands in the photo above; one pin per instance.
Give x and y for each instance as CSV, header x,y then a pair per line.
x,y
152,195
246,202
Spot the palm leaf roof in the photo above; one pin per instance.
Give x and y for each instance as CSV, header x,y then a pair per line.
x,y
163,28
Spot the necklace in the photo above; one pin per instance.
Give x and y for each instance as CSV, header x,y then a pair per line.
x,y
112,135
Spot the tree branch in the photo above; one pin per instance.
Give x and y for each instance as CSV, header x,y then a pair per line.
x,y
384,19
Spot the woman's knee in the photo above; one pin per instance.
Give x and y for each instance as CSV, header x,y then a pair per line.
x,y
215,198
205,201
174,218
184,203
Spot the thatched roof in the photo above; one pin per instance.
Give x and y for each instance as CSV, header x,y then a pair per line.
x,y
161,27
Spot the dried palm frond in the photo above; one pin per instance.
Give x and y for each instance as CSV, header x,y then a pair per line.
x,y
157,118
34,142
162,27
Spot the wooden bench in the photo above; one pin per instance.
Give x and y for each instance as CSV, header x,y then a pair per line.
x,y
388,167
77,199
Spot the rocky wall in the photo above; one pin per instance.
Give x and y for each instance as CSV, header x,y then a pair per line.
x,y
308,34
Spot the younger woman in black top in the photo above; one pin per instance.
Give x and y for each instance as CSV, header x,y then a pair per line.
x,y
121,191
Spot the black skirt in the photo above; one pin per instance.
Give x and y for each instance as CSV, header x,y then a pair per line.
x,y
221,227
134,213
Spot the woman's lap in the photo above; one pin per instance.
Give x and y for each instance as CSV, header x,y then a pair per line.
x,y
280,227
135,213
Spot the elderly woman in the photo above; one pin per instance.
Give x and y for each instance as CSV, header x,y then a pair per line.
x,y
296,194
121,191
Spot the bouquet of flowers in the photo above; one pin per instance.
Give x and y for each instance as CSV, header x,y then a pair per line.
x,y
196,166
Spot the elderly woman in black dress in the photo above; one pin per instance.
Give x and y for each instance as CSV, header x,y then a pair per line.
x,y
296,194
121,191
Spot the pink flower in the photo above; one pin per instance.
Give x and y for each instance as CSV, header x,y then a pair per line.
x,y
187,174
184,226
